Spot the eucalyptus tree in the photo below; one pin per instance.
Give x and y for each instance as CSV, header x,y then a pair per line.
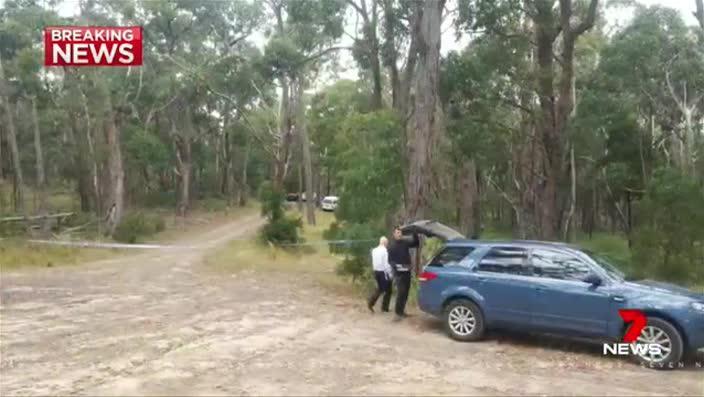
x,y
304,35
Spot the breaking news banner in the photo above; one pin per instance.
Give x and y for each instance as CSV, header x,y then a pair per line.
x,y
93,46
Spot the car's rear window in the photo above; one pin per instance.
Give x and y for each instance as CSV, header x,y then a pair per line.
x,y
511,260
450,256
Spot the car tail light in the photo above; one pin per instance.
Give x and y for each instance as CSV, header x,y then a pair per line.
x,y
427,276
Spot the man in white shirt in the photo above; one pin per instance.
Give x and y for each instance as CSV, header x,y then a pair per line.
x,y
382,274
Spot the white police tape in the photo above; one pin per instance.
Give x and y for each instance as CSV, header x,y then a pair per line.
x,y
326,242
97,244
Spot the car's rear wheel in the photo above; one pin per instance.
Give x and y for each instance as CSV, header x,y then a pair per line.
x,y
464,320
665,336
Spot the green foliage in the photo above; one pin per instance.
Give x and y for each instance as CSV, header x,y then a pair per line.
x,y
614,248
137,225
159,199
356,262
370,183
145,150
280,229
272,201
281,56
213,204
355,267
669,242
369,164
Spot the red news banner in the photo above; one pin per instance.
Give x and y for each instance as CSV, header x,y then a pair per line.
x,y
92,46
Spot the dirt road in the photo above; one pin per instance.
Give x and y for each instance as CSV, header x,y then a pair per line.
x,y
162,323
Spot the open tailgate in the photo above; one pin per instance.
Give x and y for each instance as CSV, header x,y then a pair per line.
x,y
432,229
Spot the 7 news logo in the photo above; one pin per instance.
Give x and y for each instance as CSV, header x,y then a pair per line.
x,y
629,346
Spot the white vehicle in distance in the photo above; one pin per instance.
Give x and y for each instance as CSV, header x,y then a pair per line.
x,y
329,203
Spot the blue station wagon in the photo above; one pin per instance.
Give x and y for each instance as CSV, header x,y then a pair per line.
x,y
555,288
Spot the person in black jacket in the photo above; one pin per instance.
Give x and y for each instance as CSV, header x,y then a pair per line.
x,y
400,261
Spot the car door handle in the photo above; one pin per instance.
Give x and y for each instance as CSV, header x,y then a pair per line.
x,y
618,298
540,288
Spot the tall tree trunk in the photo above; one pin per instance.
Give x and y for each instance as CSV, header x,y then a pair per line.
x,y
689,110
389,53
699,14
377,102
423,132
185,170
301,190
92,158
14,150
370,41
226,146
2,172
116,172
402,80
244,190
302,132
545,188
226,184
570,230
283,145
555,108
83,183
284,136
41,177
469,200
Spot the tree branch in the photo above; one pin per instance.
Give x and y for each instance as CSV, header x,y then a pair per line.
x,y
501,191
323,53
355,6
238,39
589,20
678,101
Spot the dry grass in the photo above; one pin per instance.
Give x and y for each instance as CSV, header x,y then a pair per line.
x,y
197,221
313,259
18,254
60,200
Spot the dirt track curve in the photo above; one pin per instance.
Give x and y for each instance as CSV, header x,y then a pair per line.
x,y
161,323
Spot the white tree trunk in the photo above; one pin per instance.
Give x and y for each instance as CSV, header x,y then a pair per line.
x,y
14,151
302,130
41,177
116,172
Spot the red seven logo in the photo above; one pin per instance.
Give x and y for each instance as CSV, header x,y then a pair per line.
x,y
637,320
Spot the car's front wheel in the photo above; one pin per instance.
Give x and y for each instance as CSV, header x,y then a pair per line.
x,y
665,342
464,320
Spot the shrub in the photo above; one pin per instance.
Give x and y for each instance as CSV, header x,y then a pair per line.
x,y
135,226
213,204
357,260
280,229
669,240
159,199
79,219
12,229
355,267
158,223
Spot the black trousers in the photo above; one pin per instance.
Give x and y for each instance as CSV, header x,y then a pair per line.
x,y
403,285
383,286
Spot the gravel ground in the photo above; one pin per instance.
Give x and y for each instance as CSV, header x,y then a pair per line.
x,y
160,323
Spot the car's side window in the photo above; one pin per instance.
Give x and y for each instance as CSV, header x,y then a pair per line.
x,y
510,260
450,256
559,265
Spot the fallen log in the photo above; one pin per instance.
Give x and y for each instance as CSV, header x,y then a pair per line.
x,y
35,217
